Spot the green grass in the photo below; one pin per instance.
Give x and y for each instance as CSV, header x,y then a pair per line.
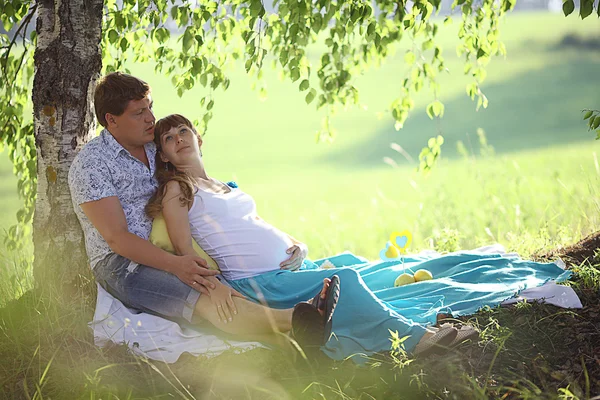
x,y
539,190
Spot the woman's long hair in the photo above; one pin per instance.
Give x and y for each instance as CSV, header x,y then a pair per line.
x,y
166,172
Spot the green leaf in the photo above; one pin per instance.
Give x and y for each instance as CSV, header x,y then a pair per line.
x,y
8,10
317,23
568,7
310,96
585,8
113,36
293,31
588,114
591,122
371,29
472,90
596,122
162,34
174,12
210,105
283,57
124,44
304,85
256,8
187,39
295,74
410,57
429,110
438,108
196,66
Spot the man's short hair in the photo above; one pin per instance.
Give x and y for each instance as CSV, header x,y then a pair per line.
x,y
114,91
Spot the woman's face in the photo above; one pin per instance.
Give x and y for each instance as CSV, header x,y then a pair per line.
x,y
179,145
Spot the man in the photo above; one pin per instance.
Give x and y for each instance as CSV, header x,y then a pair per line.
x,y
111,180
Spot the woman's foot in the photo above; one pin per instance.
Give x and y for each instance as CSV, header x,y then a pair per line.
x,y
319,300
326,301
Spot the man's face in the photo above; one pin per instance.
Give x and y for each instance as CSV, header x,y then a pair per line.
x,y
136,125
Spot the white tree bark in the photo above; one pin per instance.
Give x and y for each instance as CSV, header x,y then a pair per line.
x,y
67,62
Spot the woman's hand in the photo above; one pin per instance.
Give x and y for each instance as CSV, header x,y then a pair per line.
x,y
298,252
221,298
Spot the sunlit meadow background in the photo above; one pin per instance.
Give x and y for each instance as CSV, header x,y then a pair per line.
x,y
530,182
534,183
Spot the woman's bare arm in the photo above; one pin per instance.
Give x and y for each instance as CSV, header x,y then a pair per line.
x,y
177,219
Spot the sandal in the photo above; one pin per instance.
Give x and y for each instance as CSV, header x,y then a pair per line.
x,y
465,332
437,343
309,328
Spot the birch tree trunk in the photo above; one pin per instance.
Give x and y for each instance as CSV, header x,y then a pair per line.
x,y
67,62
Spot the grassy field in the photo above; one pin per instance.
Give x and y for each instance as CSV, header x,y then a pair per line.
x,y
537,190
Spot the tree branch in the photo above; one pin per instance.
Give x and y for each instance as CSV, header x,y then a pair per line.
x,y
25,23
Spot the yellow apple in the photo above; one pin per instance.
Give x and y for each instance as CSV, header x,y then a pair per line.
x,y
404,279
423,275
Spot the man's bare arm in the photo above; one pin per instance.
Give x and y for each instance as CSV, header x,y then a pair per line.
x,y
108,218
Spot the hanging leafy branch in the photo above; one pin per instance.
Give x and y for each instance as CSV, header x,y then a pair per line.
x,y
586,7
593,119
356,37
16,127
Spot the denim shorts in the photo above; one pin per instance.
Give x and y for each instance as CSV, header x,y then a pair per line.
x,y
145,288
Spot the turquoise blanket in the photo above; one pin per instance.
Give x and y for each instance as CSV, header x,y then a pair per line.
x,y
370,305
464,282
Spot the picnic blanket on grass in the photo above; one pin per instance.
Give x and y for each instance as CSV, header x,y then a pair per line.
x,y
463,283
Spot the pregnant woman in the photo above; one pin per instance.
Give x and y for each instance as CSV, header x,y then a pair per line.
x,y
262,262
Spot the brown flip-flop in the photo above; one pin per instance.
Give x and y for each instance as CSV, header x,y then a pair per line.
x,y
437,343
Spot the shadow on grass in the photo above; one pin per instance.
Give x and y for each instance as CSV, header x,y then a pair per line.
x,y
534,110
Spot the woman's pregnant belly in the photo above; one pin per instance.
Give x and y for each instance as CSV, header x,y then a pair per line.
x,y
249,248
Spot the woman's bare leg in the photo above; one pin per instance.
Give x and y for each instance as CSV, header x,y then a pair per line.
x,y
251,318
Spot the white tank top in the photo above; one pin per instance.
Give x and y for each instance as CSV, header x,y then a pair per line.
x,y
225,226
